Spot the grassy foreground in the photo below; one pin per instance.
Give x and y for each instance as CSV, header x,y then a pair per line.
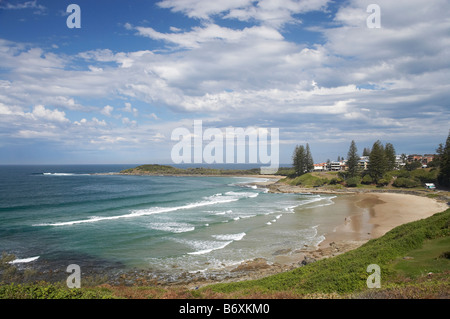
x,y
414,259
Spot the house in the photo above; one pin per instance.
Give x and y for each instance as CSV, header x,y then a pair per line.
x,y
320,167
424,159
363,162
427,158
337,166
399,162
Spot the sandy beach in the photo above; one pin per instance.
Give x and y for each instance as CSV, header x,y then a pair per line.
x,y
378,214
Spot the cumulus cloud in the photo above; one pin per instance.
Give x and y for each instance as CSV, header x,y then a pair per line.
x,y
40,112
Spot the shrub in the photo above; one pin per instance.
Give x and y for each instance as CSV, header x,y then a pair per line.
x,y
308,180
406,182
367,179
353,181
403,173
334,181
425,176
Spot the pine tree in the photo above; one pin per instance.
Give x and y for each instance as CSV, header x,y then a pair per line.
x,y
353,160
299,160
366,151
377,162
309,162
444,167
391,162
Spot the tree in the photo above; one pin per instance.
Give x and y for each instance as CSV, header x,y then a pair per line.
x,y
389,152
444,167
309,162
353,160
299,160
302,160
377,162
413,166
366,151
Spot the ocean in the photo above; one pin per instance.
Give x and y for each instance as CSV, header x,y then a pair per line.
x,y
54,216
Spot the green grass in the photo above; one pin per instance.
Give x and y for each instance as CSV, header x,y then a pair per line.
x,y
346,273
431,257
45,290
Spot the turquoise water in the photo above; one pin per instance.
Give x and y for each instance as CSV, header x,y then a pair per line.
x,y
65,214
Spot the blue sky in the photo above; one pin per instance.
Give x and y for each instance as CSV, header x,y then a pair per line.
x,y
113,90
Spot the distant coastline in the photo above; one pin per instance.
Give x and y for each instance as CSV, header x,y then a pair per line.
x,y
275,184
166,170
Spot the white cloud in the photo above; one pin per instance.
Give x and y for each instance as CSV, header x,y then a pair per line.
x,y
38,9
128,108
210,33
41,113
107,110
274,13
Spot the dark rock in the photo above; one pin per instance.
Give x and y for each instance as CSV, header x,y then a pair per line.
x,y
307,260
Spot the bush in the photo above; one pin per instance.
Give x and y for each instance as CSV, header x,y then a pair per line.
x,y
413,165
353,181
334,181
367,179
308,180
406,182
403,173
425,176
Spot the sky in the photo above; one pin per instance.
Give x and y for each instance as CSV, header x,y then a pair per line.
x,y
113,90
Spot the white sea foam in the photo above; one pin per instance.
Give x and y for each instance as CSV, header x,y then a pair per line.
x,y
64,174
24,260
242,194
212,246
209,200
230,236
172,227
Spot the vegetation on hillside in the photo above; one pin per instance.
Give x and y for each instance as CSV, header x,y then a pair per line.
x,y
155,169
382,170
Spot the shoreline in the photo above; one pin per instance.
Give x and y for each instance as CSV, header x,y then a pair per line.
x,y
365,214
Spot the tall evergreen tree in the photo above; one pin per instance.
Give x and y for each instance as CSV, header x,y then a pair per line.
x,y
309,162
377,162
389,152
366,151
444,166
353,160
299,160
